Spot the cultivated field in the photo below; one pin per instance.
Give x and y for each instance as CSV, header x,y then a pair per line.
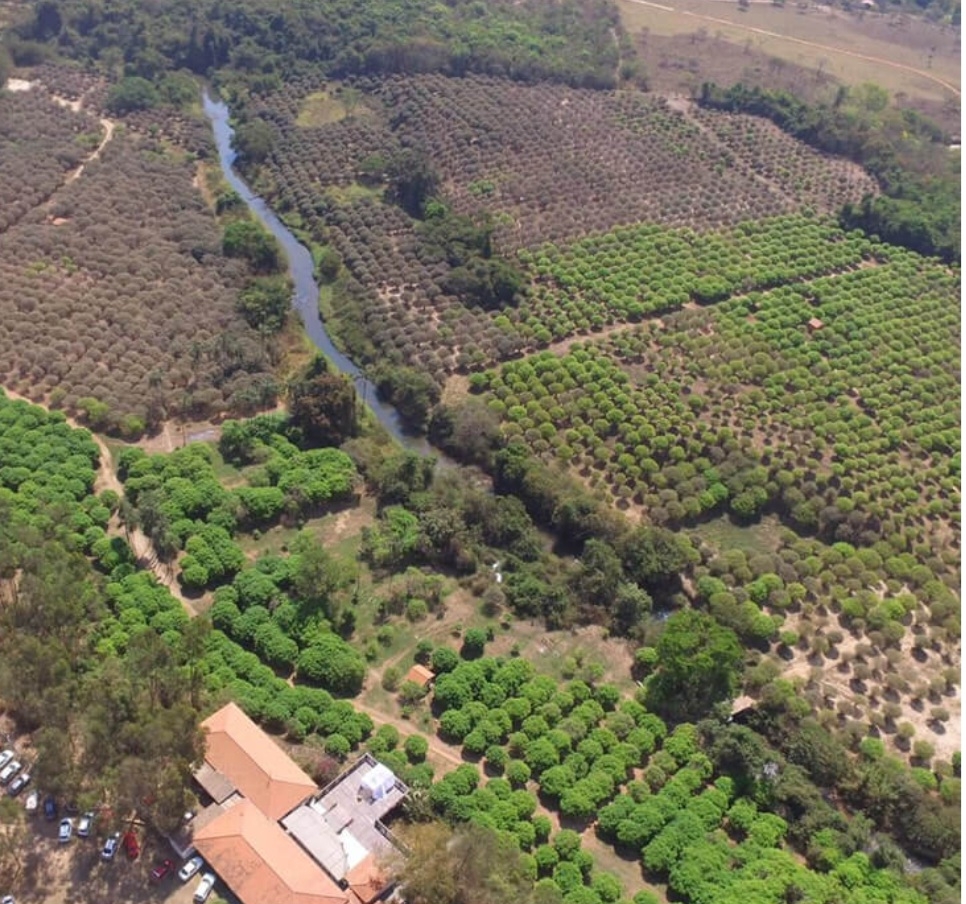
x,y
540,163
116,300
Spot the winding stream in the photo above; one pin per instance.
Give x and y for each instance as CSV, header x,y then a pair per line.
x,y
301,268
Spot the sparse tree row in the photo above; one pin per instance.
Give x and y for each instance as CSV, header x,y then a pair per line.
x,y
118,300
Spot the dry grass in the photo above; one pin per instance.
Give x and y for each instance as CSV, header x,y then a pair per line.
x,y
830,41
322,108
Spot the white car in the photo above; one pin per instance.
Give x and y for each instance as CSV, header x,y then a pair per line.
x,y
110,846
190,868
7,899
204,888
66,830
85,824
6,757
32,802
9,771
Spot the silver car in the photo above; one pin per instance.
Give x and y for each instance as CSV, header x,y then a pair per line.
x,y
204,888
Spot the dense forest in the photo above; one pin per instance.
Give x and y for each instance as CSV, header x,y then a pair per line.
x,y
266,41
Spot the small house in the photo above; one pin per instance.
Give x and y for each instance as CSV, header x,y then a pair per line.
x,y
814,325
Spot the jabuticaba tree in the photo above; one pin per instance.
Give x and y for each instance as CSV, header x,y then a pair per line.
x,y
260,40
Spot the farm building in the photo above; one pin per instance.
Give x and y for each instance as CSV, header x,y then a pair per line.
x,y
269,832
420,675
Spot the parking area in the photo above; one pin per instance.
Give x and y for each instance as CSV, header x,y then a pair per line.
x,y
73,873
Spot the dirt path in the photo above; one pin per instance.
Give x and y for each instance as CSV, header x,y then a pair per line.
x,y
108,126
823,47
106,479
437,748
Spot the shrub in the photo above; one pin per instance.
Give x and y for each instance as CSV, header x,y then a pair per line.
x,y
416,748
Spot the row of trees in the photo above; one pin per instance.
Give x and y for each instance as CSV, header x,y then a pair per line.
x,y
905,151
713,794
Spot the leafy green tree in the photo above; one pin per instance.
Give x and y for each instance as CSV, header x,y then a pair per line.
x,y
700,663
252,242
265,303
332,663
131,94
323,406
254,141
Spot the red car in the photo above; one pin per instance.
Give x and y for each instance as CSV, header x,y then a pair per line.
x,y
161,870
131,846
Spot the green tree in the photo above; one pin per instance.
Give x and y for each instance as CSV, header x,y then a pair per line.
x,y
131,94
252,242
323,406
699,664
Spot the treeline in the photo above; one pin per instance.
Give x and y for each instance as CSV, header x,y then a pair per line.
x,y
907,153
265,41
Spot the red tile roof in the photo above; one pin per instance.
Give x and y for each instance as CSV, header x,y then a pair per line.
x,y
420,675
261,864
260,770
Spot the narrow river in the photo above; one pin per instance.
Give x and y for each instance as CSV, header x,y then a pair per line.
x,y
302,270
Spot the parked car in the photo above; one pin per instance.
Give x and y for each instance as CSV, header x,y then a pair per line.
x,y
50,808
190,868
6,757
32,802
110,846
161,870
7,899
85,825
66,830
9,771
131,845
19,783
204,888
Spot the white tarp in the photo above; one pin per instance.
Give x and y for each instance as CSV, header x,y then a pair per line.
x,y
378,783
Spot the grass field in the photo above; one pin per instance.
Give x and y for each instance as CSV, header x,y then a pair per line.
x,y
904,56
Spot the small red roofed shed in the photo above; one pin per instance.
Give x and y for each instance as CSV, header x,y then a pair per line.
x,y
420,675
814,325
